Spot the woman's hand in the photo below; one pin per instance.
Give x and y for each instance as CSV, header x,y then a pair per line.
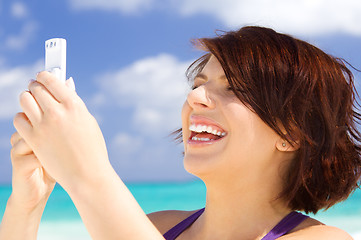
x,y
67,140
64,136
31,184
31,188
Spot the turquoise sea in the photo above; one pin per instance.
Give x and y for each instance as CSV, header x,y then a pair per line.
x,y
61,220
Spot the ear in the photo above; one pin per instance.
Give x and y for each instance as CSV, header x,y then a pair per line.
x,y
283,145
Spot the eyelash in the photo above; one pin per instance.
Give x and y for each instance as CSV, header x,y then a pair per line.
x,y
228,88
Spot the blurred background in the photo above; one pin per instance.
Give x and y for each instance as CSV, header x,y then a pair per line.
x,y
128,60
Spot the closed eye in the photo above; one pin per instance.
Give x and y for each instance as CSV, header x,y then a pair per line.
x,y
197,83
194,87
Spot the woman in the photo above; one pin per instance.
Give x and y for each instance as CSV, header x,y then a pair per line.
x,y
269,127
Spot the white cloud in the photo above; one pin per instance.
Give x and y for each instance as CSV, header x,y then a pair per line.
x,y
303,17
20,41
19,10
154,87
296,17
149,94
126,144
12,82
135,157
123,6
24,34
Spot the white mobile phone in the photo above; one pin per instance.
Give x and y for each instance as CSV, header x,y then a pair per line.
x,y
55,57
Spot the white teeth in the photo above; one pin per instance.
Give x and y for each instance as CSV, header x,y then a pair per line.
x,y
199,129
204,128
209,129
201,139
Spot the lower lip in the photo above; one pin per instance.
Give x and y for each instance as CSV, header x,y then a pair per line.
x,y
197,143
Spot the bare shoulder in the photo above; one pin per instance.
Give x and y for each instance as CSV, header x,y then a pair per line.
x,y
165,220
312,229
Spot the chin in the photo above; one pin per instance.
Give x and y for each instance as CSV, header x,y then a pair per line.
x,y
199,166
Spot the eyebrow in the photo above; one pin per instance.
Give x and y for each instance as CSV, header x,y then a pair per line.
x,y
204,77
201,75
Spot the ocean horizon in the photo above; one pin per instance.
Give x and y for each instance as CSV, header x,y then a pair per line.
x,y
62,221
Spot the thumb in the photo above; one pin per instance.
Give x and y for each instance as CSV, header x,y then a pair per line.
x,y
70,83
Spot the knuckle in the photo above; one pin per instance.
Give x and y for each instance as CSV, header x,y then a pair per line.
x,y
17,117
34,87
31,83
71,103
14,138
52,113
46,81
45,78
42,75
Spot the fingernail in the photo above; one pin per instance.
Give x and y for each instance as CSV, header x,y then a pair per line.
x,y
31,81
71,83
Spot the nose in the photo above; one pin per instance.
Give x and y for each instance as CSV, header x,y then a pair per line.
x,y
199,99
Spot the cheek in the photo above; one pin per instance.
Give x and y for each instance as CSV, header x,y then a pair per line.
x,y
252,140
185,118
185,111
240,118
244,134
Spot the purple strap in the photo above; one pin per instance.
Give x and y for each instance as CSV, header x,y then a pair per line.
x,y
284,226
174,232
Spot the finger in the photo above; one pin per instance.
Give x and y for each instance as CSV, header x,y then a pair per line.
x,y
21,148
25,163
42,96
30,107
57,88
15,138
22,125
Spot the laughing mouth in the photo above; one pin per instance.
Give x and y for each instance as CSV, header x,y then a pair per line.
x,y
205,133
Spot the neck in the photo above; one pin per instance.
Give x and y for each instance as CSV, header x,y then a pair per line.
x,y
240,211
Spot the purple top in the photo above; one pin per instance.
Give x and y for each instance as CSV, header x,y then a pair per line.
x,y
284,226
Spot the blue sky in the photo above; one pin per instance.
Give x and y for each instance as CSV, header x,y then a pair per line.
x,y
128,60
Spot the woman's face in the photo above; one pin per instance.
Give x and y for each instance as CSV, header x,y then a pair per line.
x,y
220,134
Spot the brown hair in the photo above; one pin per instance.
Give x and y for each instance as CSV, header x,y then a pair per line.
x,y
290,83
